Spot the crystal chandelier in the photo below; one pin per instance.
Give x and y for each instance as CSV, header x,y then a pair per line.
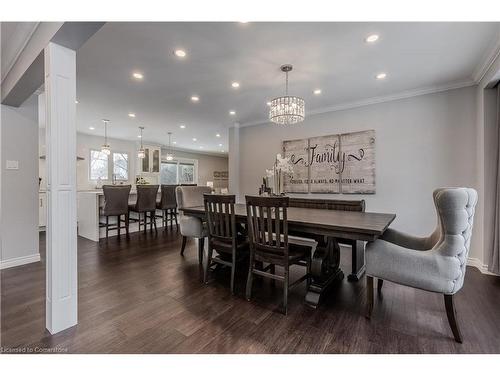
x,y
287,110
105,149
170,155
141,154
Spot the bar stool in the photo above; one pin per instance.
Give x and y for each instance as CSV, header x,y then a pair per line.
x,y
146,203
168,206
115,204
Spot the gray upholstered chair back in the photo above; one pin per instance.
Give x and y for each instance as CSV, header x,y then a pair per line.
x,y
455,208
115,199
146,198
191,196
168,199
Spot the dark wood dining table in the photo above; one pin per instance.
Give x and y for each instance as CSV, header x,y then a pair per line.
x,y
361,226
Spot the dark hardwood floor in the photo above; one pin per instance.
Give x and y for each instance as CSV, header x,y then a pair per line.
x,y
141,296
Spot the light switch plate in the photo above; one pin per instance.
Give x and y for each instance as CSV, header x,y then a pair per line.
x,y
12,164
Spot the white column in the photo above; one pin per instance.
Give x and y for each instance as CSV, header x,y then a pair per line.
x,y
61,280
234,161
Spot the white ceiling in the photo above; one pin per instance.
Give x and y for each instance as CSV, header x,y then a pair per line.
x,y
331,56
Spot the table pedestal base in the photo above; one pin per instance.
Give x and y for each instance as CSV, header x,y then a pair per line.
x,y
325,271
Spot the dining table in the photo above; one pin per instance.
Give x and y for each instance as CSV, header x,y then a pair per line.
x,y
333,225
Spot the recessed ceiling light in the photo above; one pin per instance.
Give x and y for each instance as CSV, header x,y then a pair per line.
x,y
139,136
137,75
180,53
201,146
232,113
268,104
131,115
182,126
235,85
220,144
243,21
217,135
381,76
76,102
174,142
195,98
222,151
91,128
317,92
194,139
371,38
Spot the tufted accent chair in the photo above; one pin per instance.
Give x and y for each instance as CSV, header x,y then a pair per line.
x,y
192,196
436,263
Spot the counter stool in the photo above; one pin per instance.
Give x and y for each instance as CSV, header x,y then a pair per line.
x,y
168,206
115,204
146,203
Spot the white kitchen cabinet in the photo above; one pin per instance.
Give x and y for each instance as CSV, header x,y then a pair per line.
x,y
42,210
151,162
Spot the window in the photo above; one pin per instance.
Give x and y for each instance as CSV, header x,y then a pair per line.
x,y
98,165
186,173
168,173
178,172
120,166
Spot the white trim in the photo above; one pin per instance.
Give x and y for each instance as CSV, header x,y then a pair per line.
x,y
483,268
19,261
381,99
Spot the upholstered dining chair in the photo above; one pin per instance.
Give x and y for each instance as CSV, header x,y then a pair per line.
x,y
116,204
192,196
436,263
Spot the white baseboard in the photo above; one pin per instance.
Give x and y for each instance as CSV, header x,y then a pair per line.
x,y
475,262
8,263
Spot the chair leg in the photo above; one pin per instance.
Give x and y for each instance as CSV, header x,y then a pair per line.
x,y
127,222
285,291
248,293
201,245
145,214
452,317
118,218
380,282
233,269
208,262
369,296
308,270
183,246
153,217
107,226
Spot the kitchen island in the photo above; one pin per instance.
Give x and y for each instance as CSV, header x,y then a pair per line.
x,y
90,203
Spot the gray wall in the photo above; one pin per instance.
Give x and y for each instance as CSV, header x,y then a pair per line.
x,y
19,190
422,143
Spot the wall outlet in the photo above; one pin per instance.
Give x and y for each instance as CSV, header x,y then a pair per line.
x,y
12,164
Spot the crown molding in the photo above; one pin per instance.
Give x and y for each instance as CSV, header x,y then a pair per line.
x,y
20,49
381,99
488,60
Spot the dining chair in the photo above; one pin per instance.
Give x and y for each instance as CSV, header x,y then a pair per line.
x,y
192,196
146,203
436,263
269,243
223,236
116,204
168,206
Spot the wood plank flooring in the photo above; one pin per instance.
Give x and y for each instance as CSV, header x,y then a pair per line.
x,y
140,296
